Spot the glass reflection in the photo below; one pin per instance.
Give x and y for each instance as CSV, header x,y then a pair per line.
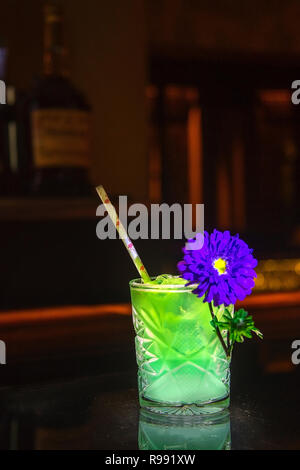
x,y
157,432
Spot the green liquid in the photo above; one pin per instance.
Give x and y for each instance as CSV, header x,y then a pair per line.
x,y
179,355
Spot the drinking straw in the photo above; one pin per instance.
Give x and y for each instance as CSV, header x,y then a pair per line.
x,y
123,234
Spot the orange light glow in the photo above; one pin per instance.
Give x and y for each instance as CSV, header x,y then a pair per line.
x,y
275,97
57,314
223,197
195,155
239,212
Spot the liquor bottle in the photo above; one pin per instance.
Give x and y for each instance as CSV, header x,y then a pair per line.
x,y
58,124
2,121
8,132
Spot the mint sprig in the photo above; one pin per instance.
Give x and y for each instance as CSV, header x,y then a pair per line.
x,y
239,326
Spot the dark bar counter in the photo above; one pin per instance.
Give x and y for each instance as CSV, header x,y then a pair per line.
x,y
70,383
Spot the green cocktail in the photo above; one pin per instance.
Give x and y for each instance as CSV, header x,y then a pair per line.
x,y
182,367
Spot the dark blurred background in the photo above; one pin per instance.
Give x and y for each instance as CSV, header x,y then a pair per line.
x,y
163,101
182,101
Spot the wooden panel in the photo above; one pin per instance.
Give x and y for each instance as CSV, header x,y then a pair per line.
x,y
32,334
48,209
64,333
54,330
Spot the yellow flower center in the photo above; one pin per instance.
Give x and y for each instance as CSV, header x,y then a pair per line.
x,y
220,265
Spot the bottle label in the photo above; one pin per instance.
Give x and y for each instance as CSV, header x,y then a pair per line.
x,y
61,137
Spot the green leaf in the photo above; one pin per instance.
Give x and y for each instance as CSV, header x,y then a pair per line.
x,y
258,333
240,325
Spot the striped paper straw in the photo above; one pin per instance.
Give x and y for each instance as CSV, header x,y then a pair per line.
x,y
123,234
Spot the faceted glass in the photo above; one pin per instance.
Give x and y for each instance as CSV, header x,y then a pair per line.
x,y
182,367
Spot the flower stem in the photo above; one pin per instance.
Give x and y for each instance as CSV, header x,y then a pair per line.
x,y
226,350
228,341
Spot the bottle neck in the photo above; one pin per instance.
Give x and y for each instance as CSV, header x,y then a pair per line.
x,y
54,59
3,56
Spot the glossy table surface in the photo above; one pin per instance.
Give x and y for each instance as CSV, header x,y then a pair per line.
x,y
70,383
102,412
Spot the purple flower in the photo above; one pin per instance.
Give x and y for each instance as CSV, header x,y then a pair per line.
x,y
223,268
